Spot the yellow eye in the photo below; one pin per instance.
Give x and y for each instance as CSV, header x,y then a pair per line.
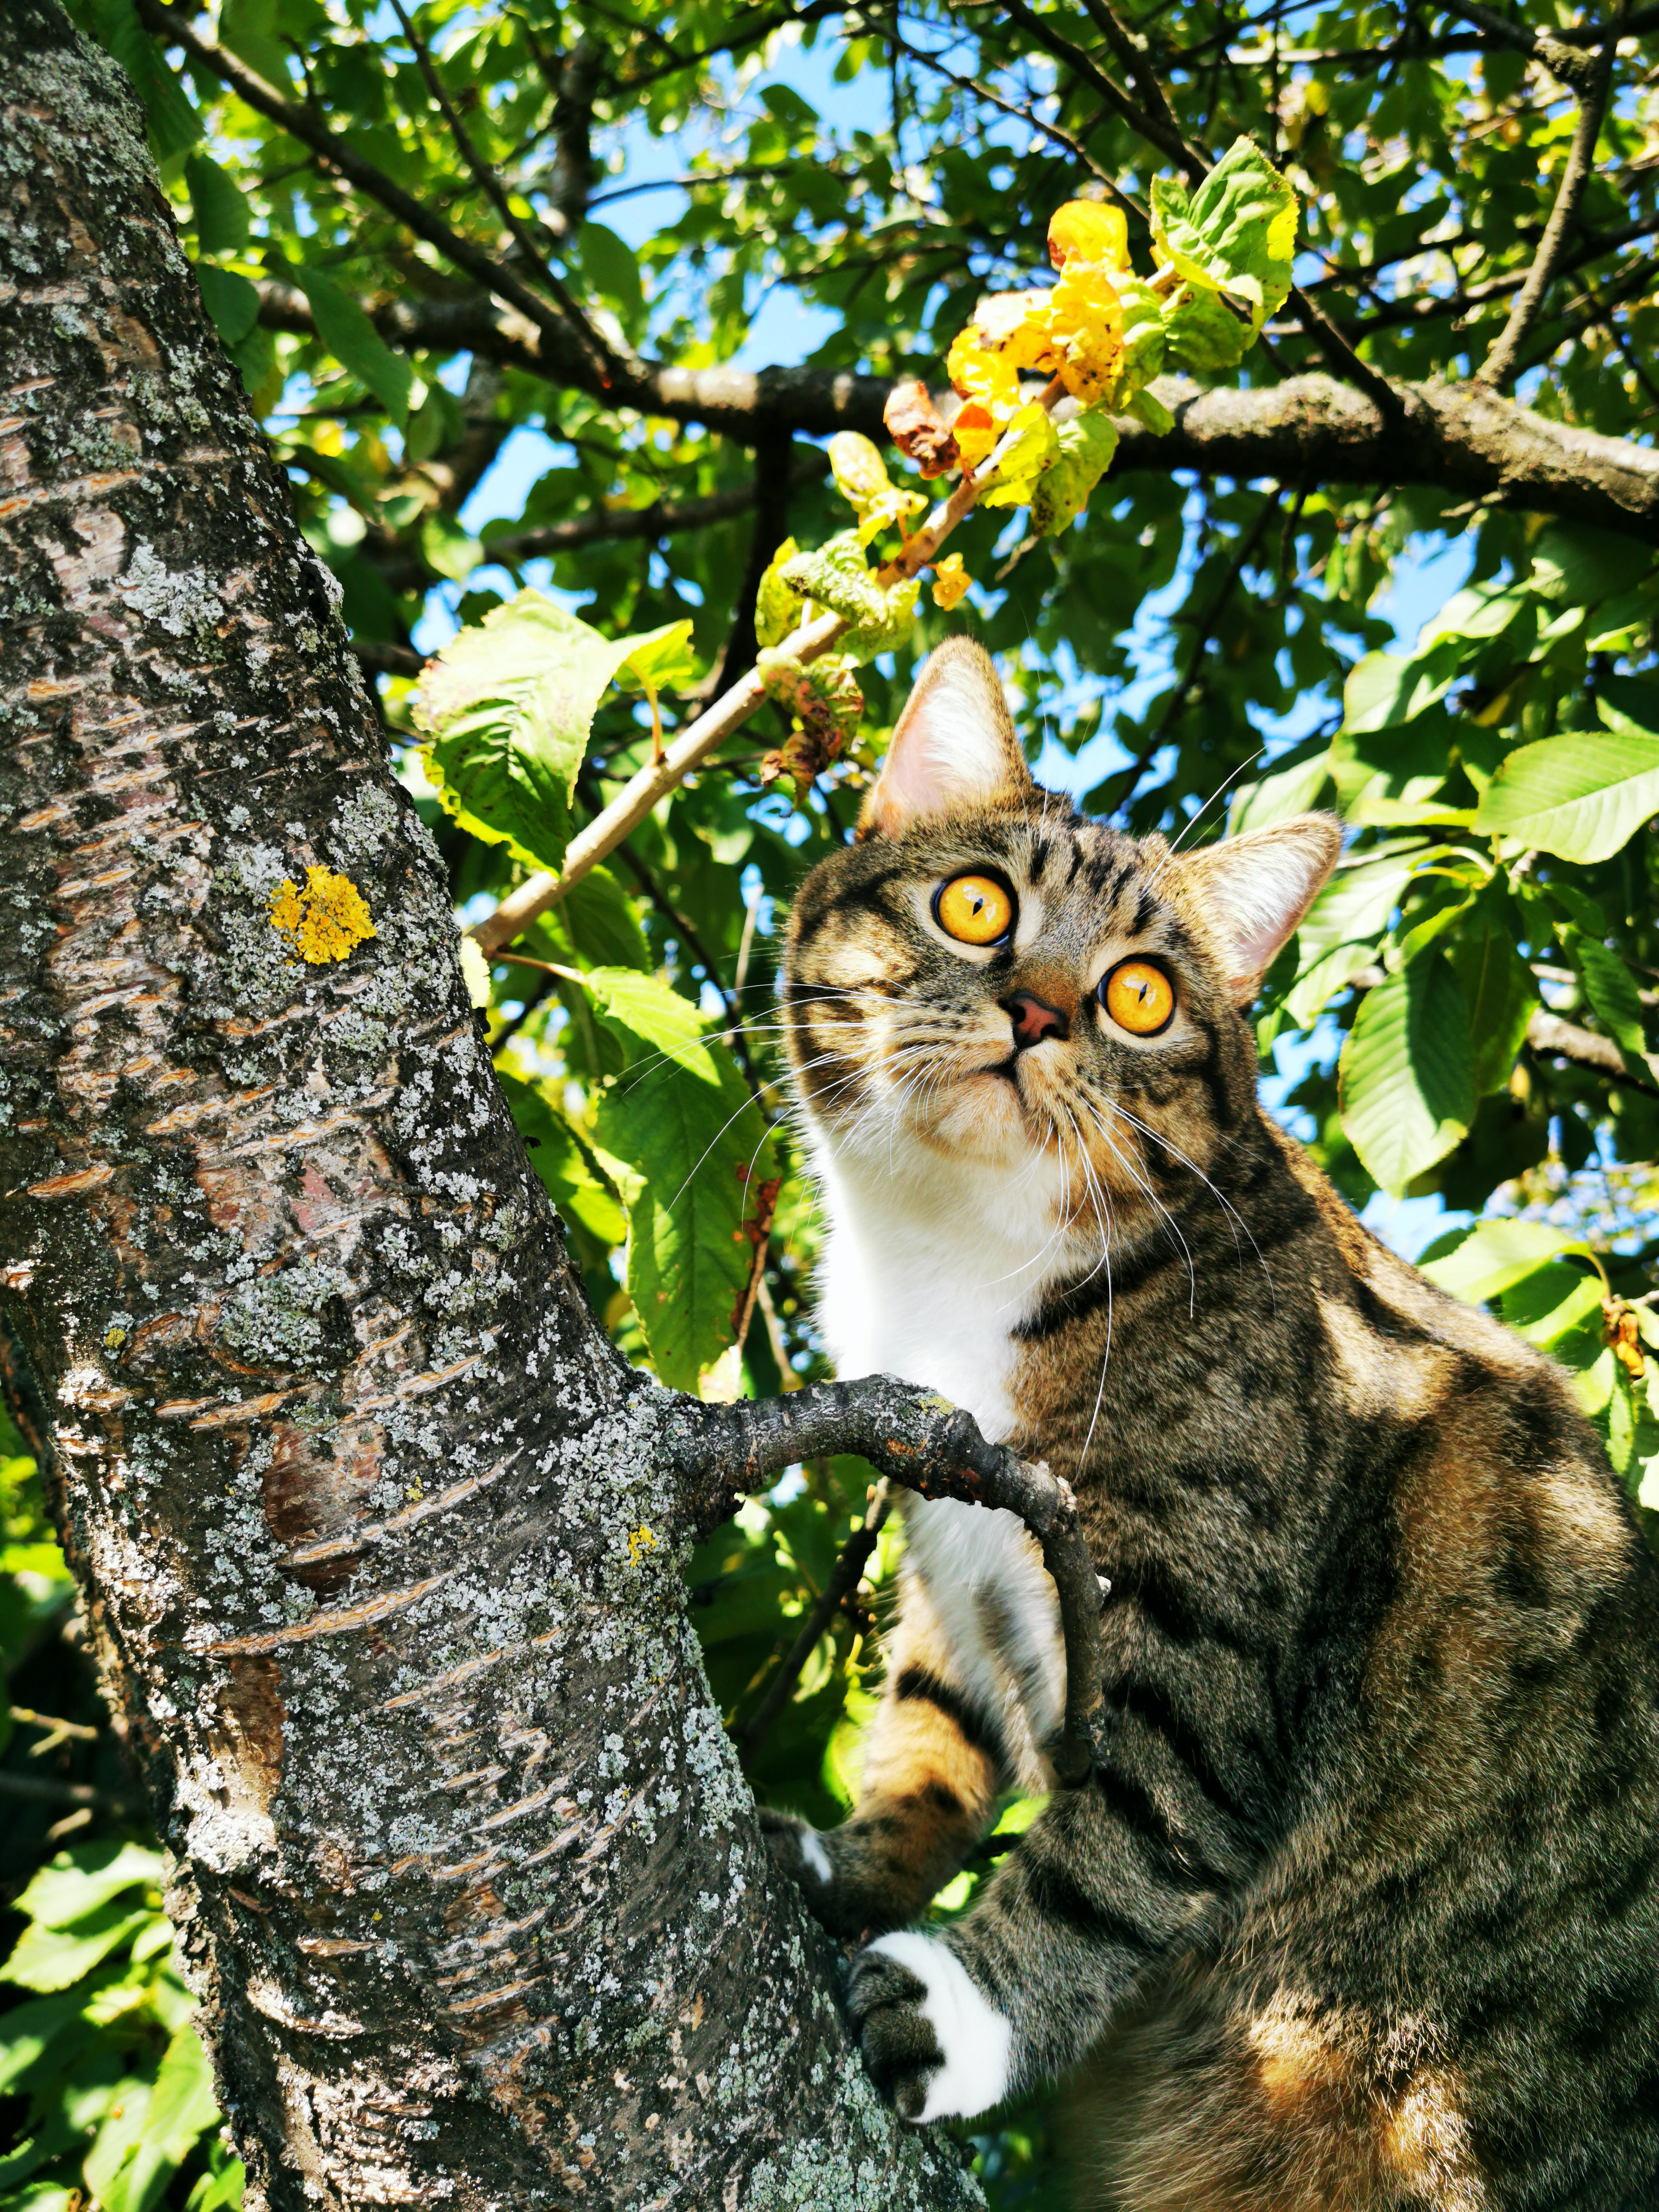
x,y
974,909
1138,997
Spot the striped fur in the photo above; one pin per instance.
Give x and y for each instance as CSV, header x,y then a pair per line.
x,y
1360,1909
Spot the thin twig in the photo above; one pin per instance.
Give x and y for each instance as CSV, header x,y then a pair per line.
x,y
490,185
340,155
1563,61
1130,778
694,744
844,1577
1500,365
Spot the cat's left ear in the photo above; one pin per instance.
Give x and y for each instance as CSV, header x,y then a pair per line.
x,y
1250,892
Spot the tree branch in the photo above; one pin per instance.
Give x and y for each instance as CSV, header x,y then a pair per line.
x,y
1462,438
1564,61
554,331
1548,1035
922,1442
843,1579
1501,363
485,177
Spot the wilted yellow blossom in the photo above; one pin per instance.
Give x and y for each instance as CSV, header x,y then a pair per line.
x,y
1085,322
951,581
1085,230
325,921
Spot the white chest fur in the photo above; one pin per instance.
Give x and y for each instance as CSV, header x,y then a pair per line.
x,y
929,1267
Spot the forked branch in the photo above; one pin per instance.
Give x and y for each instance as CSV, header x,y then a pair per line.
x,y
922,1442
1503,362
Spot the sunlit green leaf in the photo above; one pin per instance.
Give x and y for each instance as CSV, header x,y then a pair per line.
x,y
1406,1073
1582,798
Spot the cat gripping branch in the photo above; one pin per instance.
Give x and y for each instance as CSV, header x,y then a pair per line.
x,y
1359,1907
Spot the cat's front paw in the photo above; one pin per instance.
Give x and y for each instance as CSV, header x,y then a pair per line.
x,y
830,1870
933,2044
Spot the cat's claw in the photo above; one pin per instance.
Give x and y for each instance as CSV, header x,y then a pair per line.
x,y
933,2043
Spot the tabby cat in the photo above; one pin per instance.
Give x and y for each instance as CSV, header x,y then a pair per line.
x,y
1359,1908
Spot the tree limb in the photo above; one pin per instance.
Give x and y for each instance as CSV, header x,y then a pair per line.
x,y
1547,1034
920,1442
1501,363
1566,62
1463,438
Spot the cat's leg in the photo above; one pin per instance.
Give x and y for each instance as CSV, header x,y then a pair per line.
x,y
1099,1887
933,1764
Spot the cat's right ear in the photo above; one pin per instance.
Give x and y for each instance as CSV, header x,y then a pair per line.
x,y
954,747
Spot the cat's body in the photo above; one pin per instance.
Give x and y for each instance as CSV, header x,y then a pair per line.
x,y
1362,1908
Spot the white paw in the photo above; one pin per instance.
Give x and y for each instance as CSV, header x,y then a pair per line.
x,y
973,2038
813,1853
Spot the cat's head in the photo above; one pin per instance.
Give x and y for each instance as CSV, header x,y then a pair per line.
x,y
987,975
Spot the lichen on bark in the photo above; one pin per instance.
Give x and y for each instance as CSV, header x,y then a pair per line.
x,y
465,1872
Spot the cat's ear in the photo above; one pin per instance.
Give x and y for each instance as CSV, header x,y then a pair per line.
x,y
1251,891
954,747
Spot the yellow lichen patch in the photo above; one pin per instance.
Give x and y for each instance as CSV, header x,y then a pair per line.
x,y
325,921
640,1540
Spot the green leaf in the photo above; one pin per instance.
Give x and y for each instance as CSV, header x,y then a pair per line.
x,y
1200,332
568,1172
1554,1305
1494,1256
659,660
613,270
174,123
837,576
593,926
78,1883
232,301
1581,566
1406,1073
1086,446
1629,705
252,30
47,1959
1498,989
1236,233
217,207
1614,999
1382,691
687,1138
1581,797
506,709
1029,446
355,342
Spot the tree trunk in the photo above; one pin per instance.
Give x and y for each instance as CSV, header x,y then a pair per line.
x,y
379,1541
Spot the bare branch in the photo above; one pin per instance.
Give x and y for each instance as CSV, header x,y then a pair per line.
x,y
1549,1036
843,1580
484,175
1160,131
1564,61
553,328
922,1442
1502,363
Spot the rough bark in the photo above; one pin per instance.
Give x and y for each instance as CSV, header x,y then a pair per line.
x,y
378,1540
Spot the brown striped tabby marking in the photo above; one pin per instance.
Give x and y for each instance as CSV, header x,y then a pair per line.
x,y
1359,1911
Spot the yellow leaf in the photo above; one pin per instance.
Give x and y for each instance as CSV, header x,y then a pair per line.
x,y
325,921
1085,230
951,581
1085,321
987,377
975,431
1016,325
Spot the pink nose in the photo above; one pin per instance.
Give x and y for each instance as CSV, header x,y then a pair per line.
x,y
1032,1020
